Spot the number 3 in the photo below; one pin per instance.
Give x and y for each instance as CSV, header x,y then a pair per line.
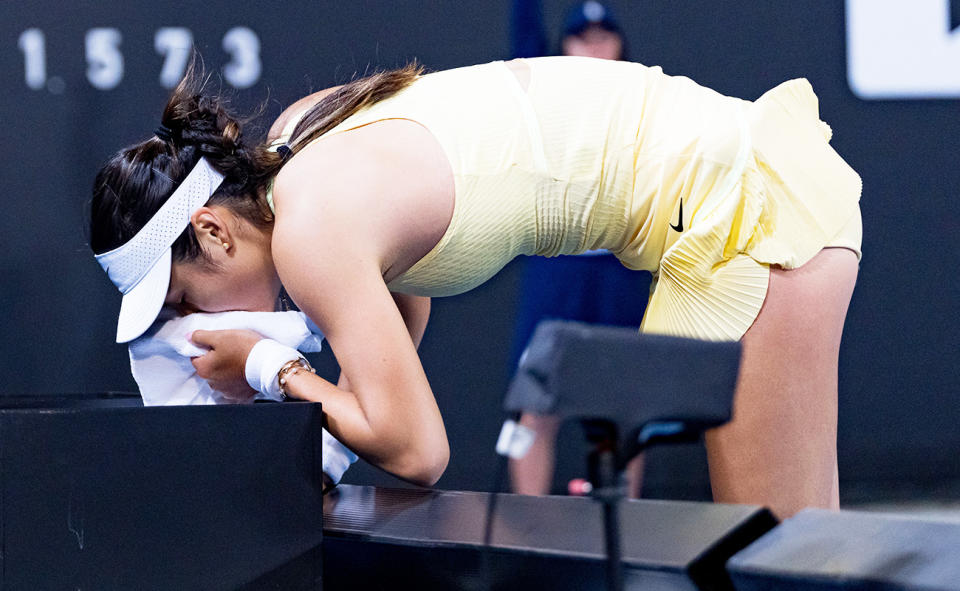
x,y
244,69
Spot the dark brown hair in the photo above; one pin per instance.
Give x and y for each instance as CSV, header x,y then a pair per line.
x,y
137,181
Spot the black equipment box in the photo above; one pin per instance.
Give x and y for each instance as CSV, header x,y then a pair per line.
x,y
818,550
99,492
378,538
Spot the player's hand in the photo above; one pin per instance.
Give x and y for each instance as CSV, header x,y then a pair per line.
x,y
223,365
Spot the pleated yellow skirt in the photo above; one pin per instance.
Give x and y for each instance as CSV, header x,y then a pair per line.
x,y
794,197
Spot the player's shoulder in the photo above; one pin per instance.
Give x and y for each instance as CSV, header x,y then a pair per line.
x,y
295,110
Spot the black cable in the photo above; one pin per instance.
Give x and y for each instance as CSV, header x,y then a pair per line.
x,y
605,472
610,493
498,478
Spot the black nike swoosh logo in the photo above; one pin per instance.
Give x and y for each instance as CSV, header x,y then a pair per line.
x,y
679,226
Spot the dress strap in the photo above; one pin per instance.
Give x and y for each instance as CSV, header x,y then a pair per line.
x,y
529,117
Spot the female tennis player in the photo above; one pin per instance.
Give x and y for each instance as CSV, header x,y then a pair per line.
x,y
372,197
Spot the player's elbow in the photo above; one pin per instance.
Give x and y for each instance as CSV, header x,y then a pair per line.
x,y
436,466
425,466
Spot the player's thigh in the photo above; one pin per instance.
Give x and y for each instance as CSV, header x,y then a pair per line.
x,y
783,434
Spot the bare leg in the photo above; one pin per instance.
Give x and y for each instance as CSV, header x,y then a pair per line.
x,y
781,448
533,473
634,473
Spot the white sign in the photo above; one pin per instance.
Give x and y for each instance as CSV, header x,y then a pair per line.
x,y
902,49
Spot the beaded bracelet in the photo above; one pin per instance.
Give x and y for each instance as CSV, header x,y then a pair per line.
x,y
292,367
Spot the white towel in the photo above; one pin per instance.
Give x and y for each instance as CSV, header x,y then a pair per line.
x,y
160,362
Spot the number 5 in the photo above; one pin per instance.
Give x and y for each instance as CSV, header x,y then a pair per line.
x,y
104,60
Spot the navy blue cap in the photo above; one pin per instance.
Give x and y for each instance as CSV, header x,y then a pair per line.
x,y
587,14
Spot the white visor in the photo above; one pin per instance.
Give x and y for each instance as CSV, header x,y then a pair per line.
x,y
141,268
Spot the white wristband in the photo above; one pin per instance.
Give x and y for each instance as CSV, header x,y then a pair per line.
x,y
264,363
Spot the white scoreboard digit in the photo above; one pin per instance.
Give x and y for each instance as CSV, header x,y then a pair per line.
x,y
243,45
174,44
103,53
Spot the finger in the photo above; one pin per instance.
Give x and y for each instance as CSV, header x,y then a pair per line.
x,y
224,399
233,392
201,364
221,389
204,338
245,393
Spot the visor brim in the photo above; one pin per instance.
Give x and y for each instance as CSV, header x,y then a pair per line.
x,y
142,304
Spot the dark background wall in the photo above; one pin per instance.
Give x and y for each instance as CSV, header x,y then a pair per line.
x,y
900,400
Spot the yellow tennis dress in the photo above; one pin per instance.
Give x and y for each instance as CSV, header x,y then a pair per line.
x,y
704,190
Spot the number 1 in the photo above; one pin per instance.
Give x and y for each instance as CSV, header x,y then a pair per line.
x,y
33,46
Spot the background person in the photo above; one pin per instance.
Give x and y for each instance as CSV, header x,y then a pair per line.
x,y
592,287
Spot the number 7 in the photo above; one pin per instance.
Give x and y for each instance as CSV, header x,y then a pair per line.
x,y
174,43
